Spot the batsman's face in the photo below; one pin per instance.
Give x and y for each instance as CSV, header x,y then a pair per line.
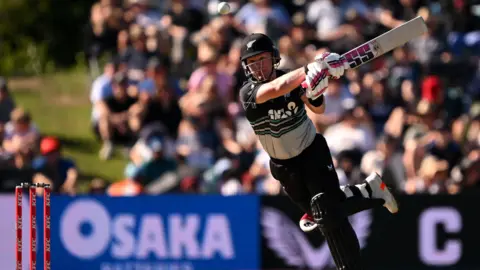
x,y
261,66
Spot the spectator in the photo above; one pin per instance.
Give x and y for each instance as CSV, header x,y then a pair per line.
x,y
207,56
258,178
158,103
138,56
154,170
379,105
353,132
97,187
387,161
288,53
114,112
143,12
54,169
432,177
466,174
6,106
21,137
336,100
101,90
123,45
442,146
463,25
99,37
264,16
198,139
180,22
420,101
231,64
181,17
428,45
327,16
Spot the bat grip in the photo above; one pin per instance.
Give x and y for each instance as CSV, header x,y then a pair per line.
x,y
305,85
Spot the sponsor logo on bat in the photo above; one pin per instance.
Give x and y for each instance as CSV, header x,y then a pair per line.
x,y
360,55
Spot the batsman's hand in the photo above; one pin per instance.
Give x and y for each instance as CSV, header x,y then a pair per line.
x,y
336,64
316,79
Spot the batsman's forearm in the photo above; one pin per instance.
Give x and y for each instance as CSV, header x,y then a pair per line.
x,y
290,81
281,85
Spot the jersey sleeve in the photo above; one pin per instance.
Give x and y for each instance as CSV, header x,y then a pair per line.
x,y
248,94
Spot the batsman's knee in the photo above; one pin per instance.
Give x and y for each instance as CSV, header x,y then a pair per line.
x,y
327,211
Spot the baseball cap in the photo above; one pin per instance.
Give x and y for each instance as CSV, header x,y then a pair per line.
x,y
49,145
431,88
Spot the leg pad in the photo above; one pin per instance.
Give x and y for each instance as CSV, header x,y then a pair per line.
x,y
339,234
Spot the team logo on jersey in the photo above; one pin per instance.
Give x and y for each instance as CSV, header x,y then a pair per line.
x,y
291,110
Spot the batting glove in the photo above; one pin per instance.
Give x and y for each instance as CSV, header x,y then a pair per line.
x,y
316,79
336,64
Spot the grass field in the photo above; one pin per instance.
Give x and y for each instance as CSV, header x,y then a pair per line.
x,y
60,106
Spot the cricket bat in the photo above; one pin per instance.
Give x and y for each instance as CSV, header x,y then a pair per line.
x,y
386,42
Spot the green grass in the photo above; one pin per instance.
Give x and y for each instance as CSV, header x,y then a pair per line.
x,y
60,106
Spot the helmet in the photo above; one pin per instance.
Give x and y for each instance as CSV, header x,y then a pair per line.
x,y
254,44
258,43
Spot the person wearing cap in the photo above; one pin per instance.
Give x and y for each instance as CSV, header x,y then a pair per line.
x,y
54,169
113,125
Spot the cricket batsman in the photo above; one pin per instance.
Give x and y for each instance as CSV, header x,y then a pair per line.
x,y
274,102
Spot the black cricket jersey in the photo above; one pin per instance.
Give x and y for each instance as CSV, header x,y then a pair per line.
x,y
281,124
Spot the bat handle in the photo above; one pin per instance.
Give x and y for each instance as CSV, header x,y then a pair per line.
x,y
305,85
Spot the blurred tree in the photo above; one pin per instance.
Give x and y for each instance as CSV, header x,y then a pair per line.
x,y
38,33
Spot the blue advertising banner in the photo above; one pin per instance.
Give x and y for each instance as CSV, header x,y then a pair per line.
x,y
154,233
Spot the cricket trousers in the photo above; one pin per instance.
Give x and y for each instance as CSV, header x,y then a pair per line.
x,y
312,173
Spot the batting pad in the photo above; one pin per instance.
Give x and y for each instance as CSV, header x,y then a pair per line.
x,y
344,247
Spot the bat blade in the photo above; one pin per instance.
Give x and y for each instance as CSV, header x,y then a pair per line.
x,y
386,42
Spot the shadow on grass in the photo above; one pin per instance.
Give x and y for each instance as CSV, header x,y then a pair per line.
x,y
87,178
82,145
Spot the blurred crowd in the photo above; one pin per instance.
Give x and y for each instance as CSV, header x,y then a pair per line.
x,y
27,155
171,91
168,95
